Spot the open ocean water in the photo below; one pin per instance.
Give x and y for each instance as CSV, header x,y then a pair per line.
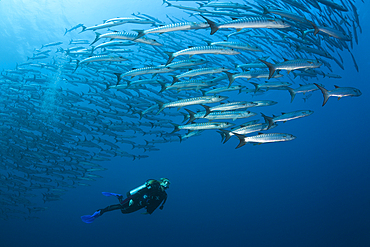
x,y
56,126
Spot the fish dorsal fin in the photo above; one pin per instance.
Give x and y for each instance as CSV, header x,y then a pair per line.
x,y
285,60
336,86
234,18
273,115
283,113
260,133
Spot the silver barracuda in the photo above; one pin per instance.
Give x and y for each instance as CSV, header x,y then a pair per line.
x,y
219,115
338,92
197,72
191,101
203,126
290,65
200,50
125,36
244,129
188,85
264,138
249,22
182,26
237,45
269,85
250,74
136,20
286,116
186,63
302,89
232,106
101,26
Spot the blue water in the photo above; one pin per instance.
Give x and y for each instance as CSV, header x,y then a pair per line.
x,y
312,191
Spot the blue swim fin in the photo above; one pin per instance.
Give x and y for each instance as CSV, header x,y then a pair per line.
x,y
111,194
90,218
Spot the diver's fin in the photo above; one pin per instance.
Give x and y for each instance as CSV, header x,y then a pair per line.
x,y
90,218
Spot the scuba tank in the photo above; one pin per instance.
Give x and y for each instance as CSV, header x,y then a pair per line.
x,y
134,191
148,184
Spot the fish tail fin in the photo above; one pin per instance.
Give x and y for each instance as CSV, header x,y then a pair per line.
x,y
184,115
118,77
255,85
160,105
175,79
170,57
292,93
268,120
140,33
315,27
77,64
226,134
163,86
97,37
230,76
190,117
211,24
270,66
66,31
242,141
83,29
168,3
176,127
324,93
207,108
208,42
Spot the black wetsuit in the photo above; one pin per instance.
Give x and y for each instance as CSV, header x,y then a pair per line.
x,y
150,198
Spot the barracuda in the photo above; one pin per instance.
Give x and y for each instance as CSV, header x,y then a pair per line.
x,y
249,22
202,126
302,89
192,84
190,101
286,116
219,115
290,65
125,36
101,26
186,63
232,106
200,50
244,129
237,45
197,72
250,74
269,85
182,26
264,138
338,92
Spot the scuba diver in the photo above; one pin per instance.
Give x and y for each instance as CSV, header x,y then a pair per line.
x,y
150,195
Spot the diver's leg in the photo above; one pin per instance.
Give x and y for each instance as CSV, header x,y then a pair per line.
x,y
110,208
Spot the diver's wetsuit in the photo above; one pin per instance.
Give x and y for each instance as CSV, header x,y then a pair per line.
x,y
149,198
